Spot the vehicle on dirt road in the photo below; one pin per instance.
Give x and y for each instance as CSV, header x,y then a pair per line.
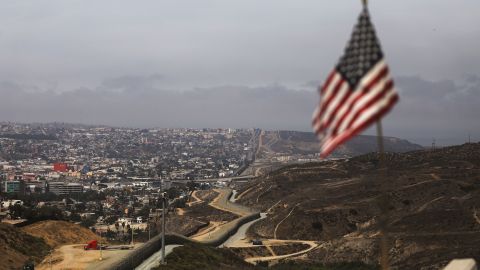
x,y
93,245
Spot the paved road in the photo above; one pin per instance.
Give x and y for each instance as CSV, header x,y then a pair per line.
x,y
241,234
221,202
234,195
154,260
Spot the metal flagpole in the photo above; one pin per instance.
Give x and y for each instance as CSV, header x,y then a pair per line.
x,y
163,228
383,201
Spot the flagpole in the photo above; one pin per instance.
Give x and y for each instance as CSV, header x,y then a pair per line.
x,y
383,200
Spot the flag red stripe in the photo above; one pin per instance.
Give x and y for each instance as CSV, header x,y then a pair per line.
x,y
327,82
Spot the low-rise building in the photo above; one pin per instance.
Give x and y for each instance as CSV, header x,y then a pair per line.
x,y
15,186
62,188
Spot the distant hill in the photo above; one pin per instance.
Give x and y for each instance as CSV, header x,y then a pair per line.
x,y
297,142
433,202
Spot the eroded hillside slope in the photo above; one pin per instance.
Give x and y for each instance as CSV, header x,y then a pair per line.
x,y
433,202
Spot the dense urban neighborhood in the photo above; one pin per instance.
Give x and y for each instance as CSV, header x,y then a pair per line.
x,y
104,176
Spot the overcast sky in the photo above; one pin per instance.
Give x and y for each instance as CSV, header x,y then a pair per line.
x,y
204,63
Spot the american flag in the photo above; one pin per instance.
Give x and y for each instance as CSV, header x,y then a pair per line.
x,y
358,92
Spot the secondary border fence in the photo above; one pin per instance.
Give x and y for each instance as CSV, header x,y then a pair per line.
x,y
137,256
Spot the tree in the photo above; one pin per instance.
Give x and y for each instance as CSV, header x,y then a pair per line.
x,y
110,220
49,212
16,210
192,186
173,193
87,223
74,216
144,212
109,234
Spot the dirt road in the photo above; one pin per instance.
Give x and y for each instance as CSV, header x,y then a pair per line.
x,y
197,200
74,257
269,243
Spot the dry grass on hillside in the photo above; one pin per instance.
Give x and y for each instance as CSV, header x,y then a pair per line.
x,y
16,247
58,233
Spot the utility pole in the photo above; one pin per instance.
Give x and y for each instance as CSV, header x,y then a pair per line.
x,y
131,229
148,225
163,227
101,249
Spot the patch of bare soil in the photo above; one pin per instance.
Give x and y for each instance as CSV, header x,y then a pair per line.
x,y
288,249
206,195
184,225
251,252
17,247
205,213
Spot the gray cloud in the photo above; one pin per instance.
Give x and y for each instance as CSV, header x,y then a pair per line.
x,y
70,44
446,110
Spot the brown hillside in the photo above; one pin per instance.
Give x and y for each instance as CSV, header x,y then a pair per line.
x,y
433,203
58,233
16,247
